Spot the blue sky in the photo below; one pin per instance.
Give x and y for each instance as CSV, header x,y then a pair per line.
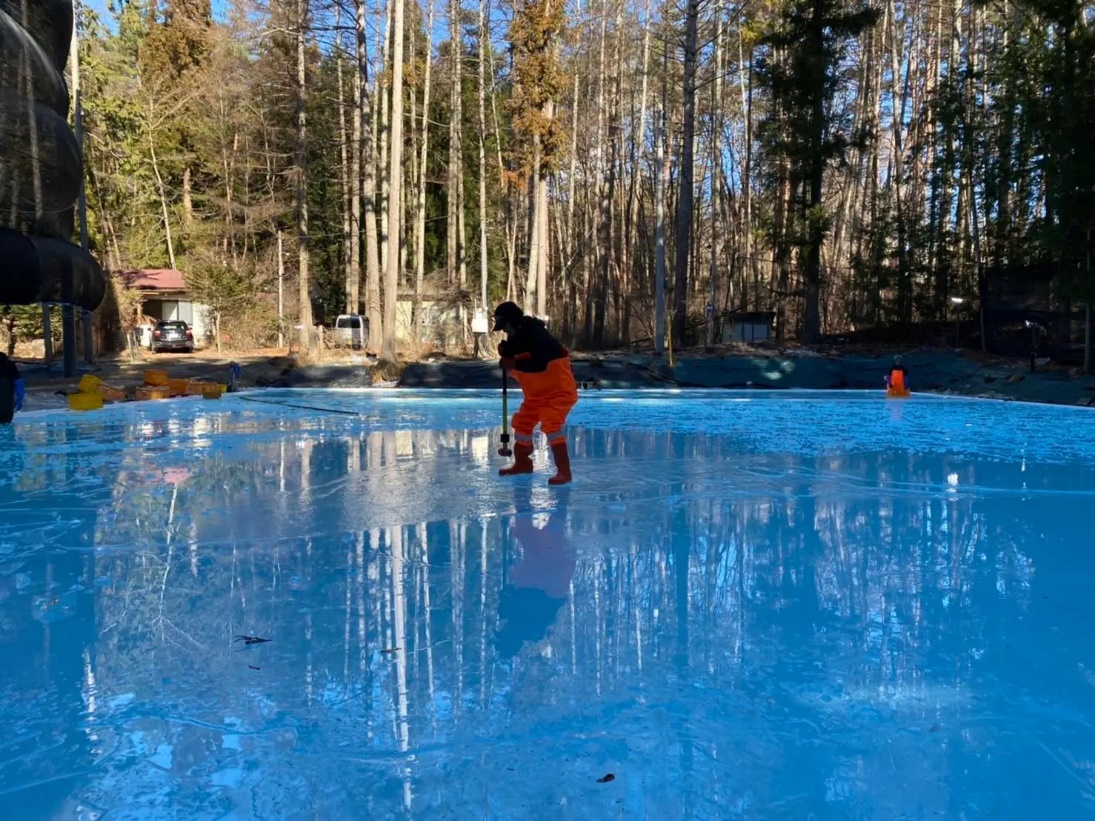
x,y
100,7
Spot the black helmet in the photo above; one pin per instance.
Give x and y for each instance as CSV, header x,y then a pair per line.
x,y
507,312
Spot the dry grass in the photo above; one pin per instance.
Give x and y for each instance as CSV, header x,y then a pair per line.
x,y
385,371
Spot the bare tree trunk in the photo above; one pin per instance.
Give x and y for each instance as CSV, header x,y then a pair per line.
x,y
483,248
456,239
511,226
348,225
395,208
898,155
716,174
305,314
606,171
634,195
367,142
355,198
542,229
594,295
750,269
662,171
531,285
187,199
383,135
684,201
163,201
420,200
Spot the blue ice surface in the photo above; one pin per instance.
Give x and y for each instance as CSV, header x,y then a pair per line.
x,y
748,605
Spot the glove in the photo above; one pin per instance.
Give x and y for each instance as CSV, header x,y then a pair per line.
x,y
20,394
508,363
503,348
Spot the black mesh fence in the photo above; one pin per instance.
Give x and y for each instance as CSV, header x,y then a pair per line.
x,y
40,164
1024,311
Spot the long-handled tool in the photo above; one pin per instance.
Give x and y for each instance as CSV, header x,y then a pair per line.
x,y
505,450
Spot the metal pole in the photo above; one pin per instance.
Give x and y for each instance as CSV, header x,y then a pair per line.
x,y
68,284
281,294
1087,336
47,332
1087,309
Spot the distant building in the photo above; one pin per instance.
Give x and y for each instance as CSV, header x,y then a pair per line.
x,y
748,326
443,322
164,296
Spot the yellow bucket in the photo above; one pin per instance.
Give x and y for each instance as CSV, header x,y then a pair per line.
x,y
85,401
155,377
110,393
88,383
153,392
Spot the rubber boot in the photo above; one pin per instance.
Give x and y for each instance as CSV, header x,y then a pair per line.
x,y
522,461
562,463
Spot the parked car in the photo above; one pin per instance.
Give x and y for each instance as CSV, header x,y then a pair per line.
x,y
351,331
171,335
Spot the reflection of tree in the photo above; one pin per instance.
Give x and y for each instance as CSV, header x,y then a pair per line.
x,y
726,606
48,655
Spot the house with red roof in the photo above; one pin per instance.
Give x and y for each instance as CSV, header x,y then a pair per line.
x,y
164,296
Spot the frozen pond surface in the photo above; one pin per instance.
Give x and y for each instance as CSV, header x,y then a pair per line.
x,y
747,606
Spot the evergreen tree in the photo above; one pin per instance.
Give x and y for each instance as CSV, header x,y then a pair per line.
x,y
803,71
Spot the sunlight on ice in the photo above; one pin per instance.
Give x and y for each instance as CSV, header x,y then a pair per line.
x,y
784,607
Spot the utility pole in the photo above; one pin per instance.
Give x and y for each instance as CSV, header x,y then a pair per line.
x,y
68,286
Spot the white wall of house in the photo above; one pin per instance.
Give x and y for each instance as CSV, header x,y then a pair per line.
x,y
193,314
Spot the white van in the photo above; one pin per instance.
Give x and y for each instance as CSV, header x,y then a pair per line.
x,y
351,331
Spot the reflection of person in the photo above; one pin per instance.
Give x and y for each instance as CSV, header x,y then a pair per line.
x,y
12,390
538,585
896,380
541,366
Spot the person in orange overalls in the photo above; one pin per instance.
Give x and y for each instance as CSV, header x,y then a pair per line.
x,y
895,381
541,366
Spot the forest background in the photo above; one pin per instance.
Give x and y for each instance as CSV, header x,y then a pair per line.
x,y
615,165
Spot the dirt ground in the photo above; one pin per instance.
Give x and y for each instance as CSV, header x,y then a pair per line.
x,y
122,371
257,366
966,373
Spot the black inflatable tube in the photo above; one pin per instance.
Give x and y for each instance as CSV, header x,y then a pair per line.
x,y
35,139
41,169
49,22
21,273
26,70
38,276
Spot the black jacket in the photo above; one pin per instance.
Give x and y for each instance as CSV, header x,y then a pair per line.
x,y
532,346
8,370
